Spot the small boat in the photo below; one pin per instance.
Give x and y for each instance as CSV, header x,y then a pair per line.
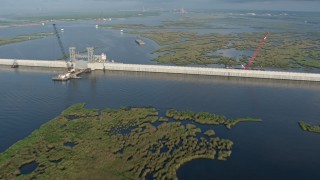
x,y
140,42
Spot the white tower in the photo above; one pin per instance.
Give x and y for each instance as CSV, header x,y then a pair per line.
x,y
72,52
90,55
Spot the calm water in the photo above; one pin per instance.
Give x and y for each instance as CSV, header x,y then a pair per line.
x,y
273,149
118,46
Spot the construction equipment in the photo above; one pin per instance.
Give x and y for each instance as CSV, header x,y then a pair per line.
x,y
15,64
65,56
256,52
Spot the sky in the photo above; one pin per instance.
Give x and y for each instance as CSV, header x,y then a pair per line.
x,y
38,6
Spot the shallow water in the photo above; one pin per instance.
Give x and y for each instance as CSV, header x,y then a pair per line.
x,y
28,168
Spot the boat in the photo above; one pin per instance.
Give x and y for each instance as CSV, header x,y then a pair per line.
x,y
140,42
62,77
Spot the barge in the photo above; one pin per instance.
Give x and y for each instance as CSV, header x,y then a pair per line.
x,y
140,42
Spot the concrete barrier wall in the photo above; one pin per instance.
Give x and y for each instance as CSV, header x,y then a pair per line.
x,y
34,63
173,69
206,71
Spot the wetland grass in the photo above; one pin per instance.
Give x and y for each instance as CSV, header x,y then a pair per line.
x,y
145,149
308,127
22,38
229,124
207,118
281,50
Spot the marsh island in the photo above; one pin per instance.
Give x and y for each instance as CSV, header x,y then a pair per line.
x,y
308,127
126,143
207,118
22,38
281,50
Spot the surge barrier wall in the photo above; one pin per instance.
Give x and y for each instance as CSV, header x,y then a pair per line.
x,y
34,63
207,71
173,70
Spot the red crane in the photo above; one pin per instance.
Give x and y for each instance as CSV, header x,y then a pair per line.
x,y
256,52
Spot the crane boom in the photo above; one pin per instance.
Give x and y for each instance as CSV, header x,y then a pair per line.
x,y
59,41
256,52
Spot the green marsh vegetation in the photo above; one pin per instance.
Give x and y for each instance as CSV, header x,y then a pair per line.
x,y
281,50
210,132
308,127
229,124
119,143
22,38
207,118
185,48
83,15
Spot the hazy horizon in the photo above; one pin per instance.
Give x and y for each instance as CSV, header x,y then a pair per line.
x,y
20,7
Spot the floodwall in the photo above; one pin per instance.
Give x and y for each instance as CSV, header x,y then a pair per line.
x,y
34,63
173,70
206,71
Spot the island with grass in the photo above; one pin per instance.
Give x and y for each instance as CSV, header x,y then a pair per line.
x,y
281,50
22,38
207,118
308,127
124,143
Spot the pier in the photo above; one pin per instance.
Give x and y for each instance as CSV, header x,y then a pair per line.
x,y
171,69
